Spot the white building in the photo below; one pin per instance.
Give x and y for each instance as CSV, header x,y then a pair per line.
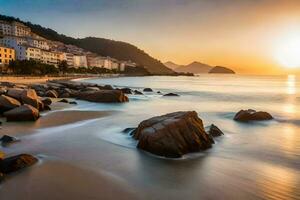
x,y
14,28
80,61
69,57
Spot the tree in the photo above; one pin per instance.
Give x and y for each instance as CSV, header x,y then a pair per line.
x,y
63,66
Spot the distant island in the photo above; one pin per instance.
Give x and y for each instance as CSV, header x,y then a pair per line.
x,y
198,68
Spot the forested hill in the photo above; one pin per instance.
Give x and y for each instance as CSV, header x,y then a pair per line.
x,y
105,47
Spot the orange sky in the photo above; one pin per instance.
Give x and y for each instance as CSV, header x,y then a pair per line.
x,y
246,35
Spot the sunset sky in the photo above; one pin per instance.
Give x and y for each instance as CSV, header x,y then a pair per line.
x,y
251,36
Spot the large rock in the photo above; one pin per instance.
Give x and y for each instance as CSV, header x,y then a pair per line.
x,y
22,113
252,115
173,134
8,103
148,90
30,97
214,131
105,96
16,163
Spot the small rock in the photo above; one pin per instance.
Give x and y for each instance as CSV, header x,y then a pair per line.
x,y
126,90
6,139
158,92
63,101
129,130
47,101
73,102
214,131
51,93
136,92
148,90
16,163
171,95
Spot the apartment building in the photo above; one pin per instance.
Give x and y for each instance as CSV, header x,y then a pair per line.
x,y
14,28
6,55
80,61
69,57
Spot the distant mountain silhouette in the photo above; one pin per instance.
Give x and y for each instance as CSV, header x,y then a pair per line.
x,y
105,47
195,67
221,70
172,65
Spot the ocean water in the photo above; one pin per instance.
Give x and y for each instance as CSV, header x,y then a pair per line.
x,y
257,160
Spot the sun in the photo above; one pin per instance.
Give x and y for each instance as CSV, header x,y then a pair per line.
x,y
287,51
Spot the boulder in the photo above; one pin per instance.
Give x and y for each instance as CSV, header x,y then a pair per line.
x,y
104,96
47,101
46,107
23,113
16,163
41,105
171,95
8,103
173,134
148,90
6,139
15,93
214,131
252,115
30,97
51,93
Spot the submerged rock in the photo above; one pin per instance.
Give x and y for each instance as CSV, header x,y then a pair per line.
x,y
214,131
171,95
63,101
173,134
16,163
8,103
22,113
148,90
126,90
136,92
104,96
73,102
252,115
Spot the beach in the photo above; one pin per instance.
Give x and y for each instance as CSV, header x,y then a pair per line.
x,y
83,153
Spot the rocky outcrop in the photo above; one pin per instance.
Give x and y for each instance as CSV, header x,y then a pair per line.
x,y
214,131
16,163
173,134
8,103
104,96
22,113
252,115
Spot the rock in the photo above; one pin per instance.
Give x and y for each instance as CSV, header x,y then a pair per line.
x,y
51,93
63,101
65,95
158,92
16,163
148,90
173,134
47,101
8,103
126,90
23,113
91,89
41,105
252,115
6,139
73,102
30,97
106,87
129,130
136,92
47,107
7,84
214,131
104,96
3,91
171,95
15,93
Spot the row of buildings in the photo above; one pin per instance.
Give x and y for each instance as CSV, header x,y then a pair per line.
x,y
17,41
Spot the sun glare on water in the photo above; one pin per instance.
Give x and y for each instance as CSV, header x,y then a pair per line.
x,y
287,51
